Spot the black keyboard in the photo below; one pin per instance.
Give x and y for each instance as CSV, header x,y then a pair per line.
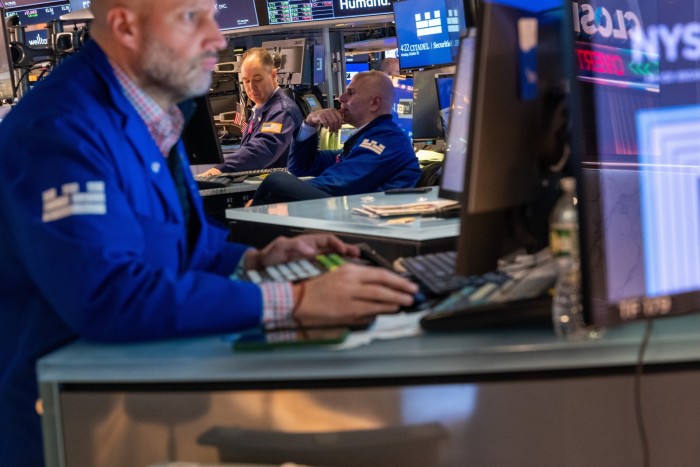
x,y
519,297
436,271
514,299
217,181
229,178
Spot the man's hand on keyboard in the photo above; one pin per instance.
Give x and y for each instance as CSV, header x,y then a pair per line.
x,y
211,172
353,294
285,249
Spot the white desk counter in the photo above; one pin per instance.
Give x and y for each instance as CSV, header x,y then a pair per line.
x,y
260,224
517,397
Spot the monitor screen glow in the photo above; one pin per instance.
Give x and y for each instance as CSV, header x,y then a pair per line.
x,y
353,68
457,136
236,14
444,85
285,12
639,186
402,107
428,31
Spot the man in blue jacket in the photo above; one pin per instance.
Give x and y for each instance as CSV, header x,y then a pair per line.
x,y
377,157
273,124
102,231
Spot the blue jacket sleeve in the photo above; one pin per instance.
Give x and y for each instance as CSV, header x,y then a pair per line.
x,y
305,159
265,147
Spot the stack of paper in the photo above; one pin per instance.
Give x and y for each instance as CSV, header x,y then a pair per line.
x,y
407,209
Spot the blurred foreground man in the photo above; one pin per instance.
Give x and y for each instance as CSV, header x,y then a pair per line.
x,y
102,231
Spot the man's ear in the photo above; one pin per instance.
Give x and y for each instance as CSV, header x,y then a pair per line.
x,y
376,103
125,28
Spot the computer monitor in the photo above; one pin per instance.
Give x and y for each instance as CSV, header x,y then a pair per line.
x,y
443,85
514,131
7,80
457,136
427,125
353,68
227,122
311,102
427,31
200,136
294,68
638,145
402,107
236,14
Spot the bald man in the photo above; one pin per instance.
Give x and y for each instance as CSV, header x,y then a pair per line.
x,y
390,66
106,238
377,157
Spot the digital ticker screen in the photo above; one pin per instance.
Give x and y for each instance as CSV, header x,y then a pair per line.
x,y
40,13
295,11
25,3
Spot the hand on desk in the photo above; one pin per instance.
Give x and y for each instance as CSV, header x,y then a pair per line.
x,y
211,172
285,249
353,294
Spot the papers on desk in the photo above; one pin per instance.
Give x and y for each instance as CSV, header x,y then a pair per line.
x,y
392,326
407,209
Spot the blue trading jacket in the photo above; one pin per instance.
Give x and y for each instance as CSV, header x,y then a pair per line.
x,y
92,239
269,135
376,158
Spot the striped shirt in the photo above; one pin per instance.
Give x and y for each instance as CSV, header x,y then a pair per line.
x,y
165,127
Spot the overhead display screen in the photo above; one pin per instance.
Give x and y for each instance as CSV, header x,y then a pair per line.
x,y
234,14
428,31
40,14
25,3
296,11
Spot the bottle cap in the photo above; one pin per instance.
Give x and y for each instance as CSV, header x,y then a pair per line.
x,y
568,184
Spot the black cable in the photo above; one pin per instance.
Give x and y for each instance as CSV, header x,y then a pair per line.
x,y
641,429
19,81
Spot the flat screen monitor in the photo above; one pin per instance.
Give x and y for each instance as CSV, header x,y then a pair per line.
x,y
236,14
457,135
427,125
427,31
353,68
200,136
7,81
311,101
402,107
515,129
638,142
443,86
226,121
293,68
285,11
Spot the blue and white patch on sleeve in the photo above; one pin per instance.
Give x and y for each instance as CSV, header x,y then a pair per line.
x,y
73,202
373,146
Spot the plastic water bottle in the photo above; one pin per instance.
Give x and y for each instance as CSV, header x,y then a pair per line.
x,y
567,311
